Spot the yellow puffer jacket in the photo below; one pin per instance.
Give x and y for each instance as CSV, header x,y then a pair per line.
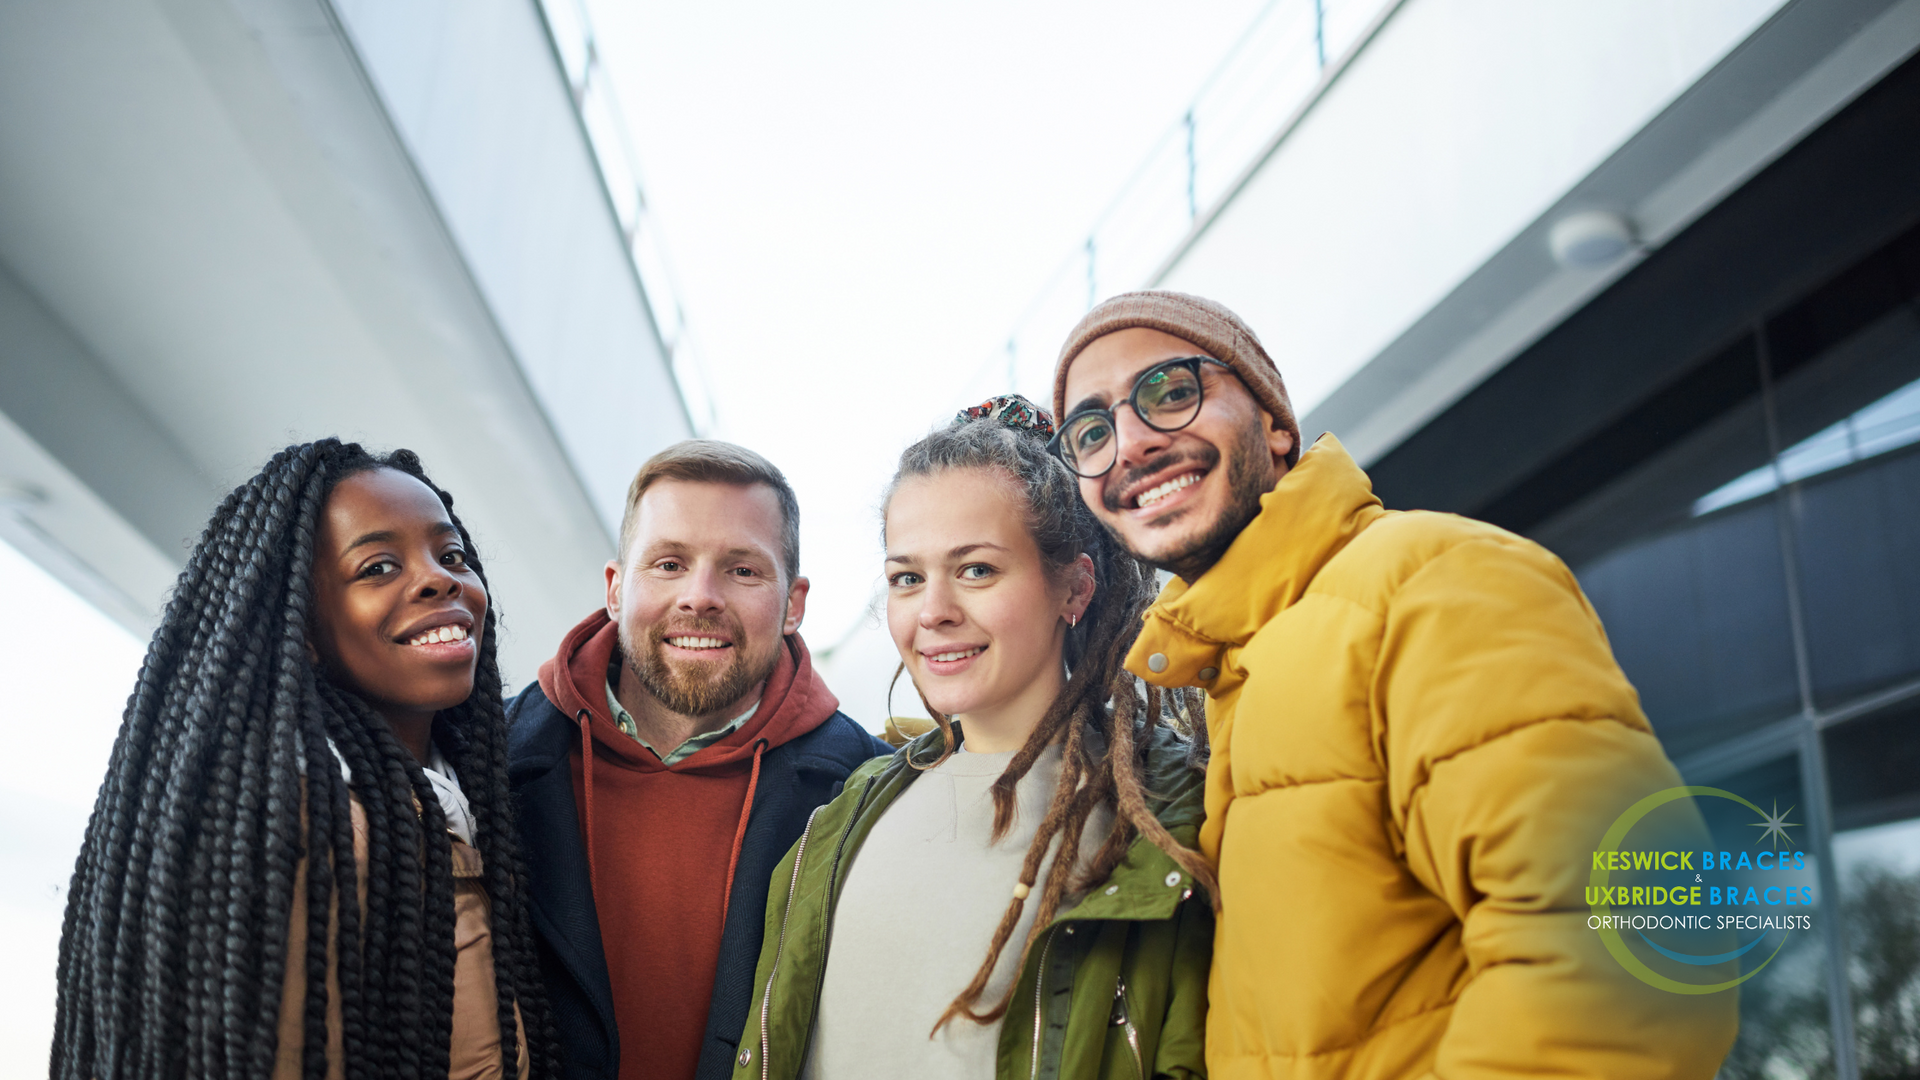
x,y
1419,735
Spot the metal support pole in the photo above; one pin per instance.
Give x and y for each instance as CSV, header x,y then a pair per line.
x,y
1193,193
1092,293
1320,31
1813,754
1813,787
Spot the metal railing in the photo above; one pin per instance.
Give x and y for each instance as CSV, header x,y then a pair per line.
x,y
599,109
1279,65
1261,86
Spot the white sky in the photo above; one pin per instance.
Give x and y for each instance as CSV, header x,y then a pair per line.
x,y
861,198
58,733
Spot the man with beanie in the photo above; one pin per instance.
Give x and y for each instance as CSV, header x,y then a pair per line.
x,y
665,761
1418,734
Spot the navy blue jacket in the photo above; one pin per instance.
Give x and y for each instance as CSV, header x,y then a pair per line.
x,y
795,777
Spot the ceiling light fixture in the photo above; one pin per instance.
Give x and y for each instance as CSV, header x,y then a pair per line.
x,y
1589,239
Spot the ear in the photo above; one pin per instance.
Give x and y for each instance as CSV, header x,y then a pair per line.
x,y
613,589
796,604
1081,593
1280,441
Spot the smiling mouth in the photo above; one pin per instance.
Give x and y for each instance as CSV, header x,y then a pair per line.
x,y
698,643
1165,489
957,654
439,635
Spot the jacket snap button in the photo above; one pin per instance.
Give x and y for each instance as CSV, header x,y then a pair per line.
x,y
1173,879
1157,663
1111,889
745,1057
1208,674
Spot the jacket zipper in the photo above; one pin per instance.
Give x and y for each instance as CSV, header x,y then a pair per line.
x,y
766,999
1122,1020
1039,984
833,891
793,887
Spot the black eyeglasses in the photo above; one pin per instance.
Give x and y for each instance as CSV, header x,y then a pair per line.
x,y
1166,397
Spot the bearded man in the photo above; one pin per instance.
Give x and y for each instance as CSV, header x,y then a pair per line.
x,y
664,763
1419,735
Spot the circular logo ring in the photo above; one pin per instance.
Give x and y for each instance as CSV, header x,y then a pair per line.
x,y
1610,935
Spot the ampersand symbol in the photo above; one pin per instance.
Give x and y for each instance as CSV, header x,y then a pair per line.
x,y
1696,877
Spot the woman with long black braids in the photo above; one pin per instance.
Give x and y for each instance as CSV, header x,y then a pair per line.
x,y
318,721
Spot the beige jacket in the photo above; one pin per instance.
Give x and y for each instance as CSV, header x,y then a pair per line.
x,y
476,1008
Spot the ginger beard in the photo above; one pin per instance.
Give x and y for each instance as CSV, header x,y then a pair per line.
x,y
698,687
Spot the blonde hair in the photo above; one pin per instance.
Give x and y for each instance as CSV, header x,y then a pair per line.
x,y
710,461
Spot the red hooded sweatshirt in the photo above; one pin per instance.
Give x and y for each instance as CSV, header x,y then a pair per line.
x,y
662,841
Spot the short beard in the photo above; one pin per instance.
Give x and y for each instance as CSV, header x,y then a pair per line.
x,y
1249,476
688,693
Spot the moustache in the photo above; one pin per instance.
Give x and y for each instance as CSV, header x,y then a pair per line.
x,y
1207,457
659,634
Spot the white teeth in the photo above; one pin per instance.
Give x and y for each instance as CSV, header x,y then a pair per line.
x,y
1155,494
439,634
697,642
961,655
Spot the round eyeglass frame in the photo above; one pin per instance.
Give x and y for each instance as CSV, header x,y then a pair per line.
x,y
1057,445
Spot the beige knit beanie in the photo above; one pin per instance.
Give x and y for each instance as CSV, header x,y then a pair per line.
x,y
1216,331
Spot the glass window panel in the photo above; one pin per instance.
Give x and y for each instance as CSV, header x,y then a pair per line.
x,y
1875,765
1849,419
1695,604
1784,1011
1857,533
1698,619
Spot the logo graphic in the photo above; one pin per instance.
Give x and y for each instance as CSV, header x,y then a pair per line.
x,y
1775,823
1717,896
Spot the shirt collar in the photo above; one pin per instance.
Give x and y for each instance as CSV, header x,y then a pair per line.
x,y
623,720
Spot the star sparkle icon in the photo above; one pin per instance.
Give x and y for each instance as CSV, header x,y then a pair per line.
x,y
1776,826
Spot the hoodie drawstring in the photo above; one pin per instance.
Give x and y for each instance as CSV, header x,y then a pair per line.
x,y
586,772
740,833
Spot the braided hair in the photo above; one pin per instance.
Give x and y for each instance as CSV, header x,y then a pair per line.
x,y
224,777
1101,698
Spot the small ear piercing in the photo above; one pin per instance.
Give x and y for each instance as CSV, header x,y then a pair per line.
x,y
1073,621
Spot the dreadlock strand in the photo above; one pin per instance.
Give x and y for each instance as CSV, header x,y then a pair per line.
x,y
322,879
1193,706
1132,805
1156,701
1064,813
1069,828
1005,788
485,752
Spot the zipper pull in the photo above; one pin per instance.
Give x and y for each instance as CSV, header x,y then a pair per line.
x,y
1119,1019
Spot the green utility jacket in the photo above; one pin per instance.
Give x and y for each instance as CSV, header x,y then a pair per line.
x,y
1116,987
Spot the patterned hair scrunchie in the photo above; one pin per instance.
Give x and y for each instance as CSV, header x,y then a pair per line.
x,y
1011,410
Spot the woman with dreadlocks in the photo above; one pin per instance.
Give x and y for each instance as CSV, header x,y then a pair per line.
x,y
300,863
1015,893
